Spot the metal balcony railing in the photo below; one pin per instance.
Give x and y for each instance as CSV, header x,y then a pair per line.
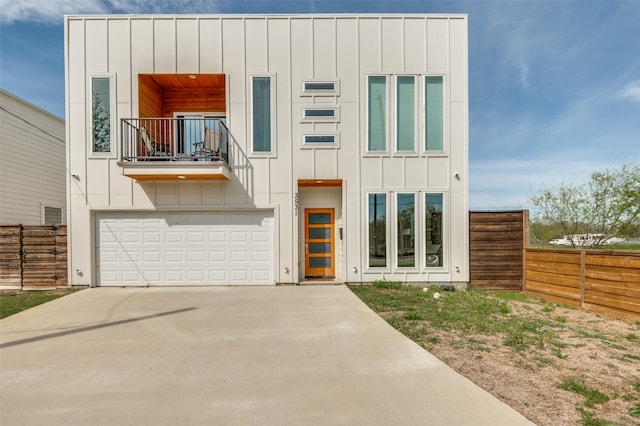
x,y
174,139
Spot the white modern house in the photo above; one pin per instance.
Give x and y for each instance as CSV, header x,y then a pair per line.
x,y
32,164
231,150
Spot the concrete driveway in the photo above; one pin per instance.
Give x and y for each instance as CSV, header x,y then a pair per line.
x,y
226,356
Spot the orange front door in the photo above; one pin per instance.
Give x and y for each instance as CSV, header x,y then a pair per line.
x,y
319,247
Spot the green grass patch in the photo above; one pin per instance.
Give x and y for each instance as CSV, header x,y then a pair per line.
x,y
16,301
631,336
387,284
512,295
472,311
588,418
628,358
593,396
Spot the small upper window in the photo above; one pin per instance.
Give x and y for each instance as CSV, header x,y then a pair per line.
x,y
319,139
320,114
101,115
320,88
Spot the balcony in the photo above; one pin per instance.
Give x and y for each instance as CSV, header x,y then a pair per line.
x,y
187,147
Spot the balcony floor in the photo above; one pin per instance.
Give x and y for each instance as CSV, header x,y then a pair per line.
x,y
175,170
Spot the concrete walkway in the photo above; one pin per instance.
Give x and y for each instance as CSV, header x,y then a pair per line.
x,y
226,356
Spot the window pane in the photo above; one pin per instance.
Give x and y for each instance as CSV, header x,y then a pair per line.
x,y
101,113
52,216
321,248
406,116
319,139
319,112
319,233
377,230
328,86
434,113
190,131
320,262
262,114
319,218
433,230
406,230
377,121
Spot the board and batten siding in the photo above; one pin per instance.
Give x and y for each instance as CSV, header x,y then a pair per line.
x,y
290,49
32,162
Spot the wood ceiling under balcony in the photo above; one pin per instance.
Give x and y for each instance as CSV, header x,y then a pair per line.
x,y
162,95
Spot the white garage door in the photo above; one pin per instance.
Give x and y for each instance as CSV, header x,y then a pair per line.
x,y
172,248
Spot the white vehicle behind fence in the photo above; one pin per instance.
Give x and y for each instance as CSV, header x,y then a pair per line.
x,y
585,240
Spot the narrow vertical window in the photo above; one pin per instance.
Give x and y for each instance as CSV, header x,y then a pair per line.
x,y
434,110
377,117
101,114
406,115
433,230
406,214
377,230
262,113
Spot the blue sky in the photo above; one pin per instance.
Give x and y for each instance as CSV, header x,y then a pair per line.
x,y
554,86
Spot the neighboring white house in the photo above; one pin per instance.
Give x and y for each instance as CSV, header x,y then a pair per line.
x,y
32,164
227,149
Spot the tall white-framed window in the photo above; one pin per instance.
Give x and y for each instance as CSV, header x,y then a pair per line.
x,y
377,113
406,113
262,113
377,230
102,107
406,230
434,227
434,113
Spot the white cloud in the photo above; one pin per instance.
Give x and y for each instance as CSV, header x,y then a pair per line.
x,y
52,11
49,12
631,91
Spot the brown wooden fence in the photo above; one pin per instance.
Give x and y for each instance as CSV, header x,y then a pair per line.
x,y
496,248
33,257
602,281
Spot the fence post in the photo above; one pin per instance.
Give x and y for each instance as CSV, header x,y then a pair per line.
x,y
582,275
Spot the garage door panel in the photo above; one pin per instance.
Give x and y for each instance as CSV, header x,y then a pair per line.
x,y
184,248
217,256
174,256
174,237
175,276
150,237
260,275
260,256
239,276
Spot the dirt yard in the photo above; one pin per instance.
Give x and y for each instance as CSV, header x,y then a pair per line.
x,y
599,352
